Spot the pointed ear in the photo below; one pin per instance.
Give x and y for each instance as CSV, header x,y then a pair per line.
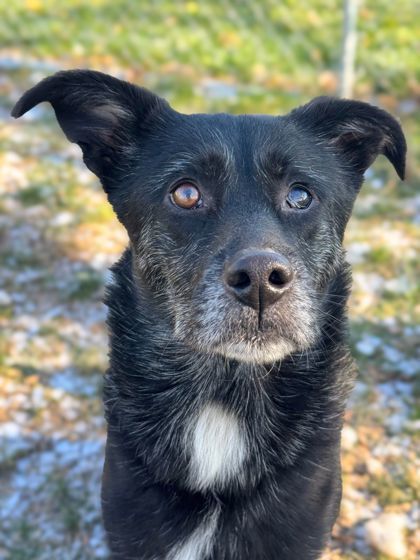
x,y
96,111
355,129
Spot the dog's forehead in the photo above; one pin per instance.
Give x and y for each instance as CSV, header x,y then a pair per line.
x,y
214,128
250,143
224,138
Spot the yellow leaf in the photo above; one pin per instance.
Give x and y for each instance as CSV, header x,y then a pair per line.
x,y
34,5
191,7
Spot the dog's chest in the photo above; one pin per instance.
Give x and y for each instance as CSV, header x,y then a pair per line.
x,y
216,441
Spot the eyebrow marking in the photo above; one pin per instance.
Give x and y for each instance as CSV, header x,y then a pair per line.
x,y
269,164
215,162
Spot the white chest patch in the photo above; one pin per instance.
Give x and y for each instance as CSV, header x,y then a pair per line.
x,y
199,544
218,448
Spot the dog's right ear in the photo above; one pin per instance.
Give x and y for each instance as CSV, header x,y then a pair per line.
x,y
96,111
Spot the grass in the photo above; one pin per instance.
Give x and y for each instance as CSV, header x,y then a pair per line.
x,y
88,360
34,194
84,285
30,548
397,488
380,256
276,50
68,505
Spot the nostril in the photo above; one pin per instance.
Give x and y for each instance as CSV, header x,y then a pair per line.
x,y
280,277
276,278
239,279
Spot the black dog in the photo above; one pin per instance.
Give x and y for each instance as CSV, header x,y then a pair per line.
x,y
229,364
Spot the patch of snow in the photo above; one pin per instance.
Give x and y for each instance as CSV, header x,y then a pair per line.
x,y
5,298
410,367
399,285
357,251
369,282
69,381
368,344
392,354
64,218
216,89
377,183
10,429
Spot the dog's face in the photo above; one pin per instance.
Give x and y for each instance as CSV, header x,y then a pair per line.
x,y
235,222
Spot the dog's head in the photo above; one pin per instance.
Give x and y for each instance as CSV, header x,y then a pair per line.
x,y
235,222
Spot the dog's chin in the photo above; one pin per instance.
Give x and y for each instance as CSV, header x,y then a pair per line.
x,y
256,352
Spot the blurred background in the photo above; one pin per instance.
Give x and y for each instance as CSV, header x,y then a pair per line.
x,y
58,236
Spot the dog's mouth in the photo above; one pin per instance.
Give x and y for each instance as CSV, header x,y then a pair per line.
x,y
244,334
256,351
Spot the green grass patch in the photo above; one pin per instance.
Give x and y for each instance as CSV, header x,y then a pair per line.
x,y
30,547
18,260
34,194
380,255
246,42
395,489
89,360
84,285
68,505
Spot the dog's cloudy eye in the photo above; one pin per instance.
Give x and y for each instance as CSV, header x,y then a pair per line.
x,y
186,196
299,197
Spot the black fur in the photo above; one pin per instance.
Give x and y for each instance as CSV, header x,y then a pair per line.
x,y
179,341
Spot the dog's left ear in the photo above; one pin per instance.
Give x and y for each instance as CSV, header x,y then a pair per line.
x,y
355,129
99,112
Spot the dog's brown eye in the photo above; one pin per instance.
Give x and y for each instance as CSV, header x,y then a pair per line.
x,y
299,197
186,196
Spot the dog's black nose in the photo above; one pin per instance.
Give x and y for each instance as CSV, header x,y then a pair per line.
x,y
259,278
